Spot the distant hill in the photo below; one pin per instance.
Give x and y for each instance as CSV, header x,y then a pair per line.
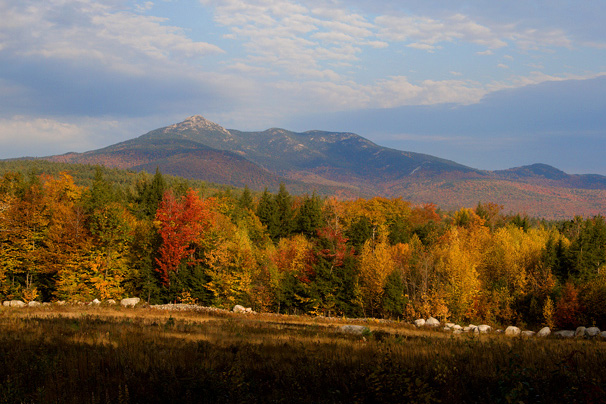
x,y
345,164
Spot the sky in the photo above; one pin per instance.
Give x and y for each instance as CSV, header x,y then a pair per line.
x,y
488,84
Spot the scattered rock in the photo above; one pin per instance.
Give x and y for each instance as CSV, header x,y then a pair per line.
x,y
130,302
592,332
603,335
95,302
111,302
458,331
354,329
446,329
580,332
449,325
527,334
419,323
544,332
34,303
432,322
564,334
484,329
239,309
14,303
457,327
512,331
60,302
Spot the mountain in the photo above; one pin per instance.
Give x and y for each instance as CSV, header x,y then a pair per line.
x,y
346,164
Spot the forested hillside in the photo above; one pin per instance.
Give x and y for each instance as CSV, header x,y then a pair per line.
x,y
126,234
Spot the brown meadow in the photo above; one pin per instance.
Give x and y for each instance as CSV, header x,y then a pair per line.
x,y
114,355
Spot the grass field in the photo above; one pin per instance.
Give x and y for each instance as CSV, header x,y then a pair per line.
x,y
116,355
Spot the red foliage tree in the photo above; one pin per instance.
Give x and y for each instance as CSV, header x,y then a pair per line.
x,y
181,223
568,310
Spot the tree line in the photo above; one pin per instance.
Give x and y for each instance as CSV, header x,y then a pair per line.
x,y
166,241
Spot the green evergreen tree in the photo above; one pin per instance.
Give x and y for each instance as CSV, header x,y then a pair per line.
x,y
267,212
310,218
285,212
394,300
246,201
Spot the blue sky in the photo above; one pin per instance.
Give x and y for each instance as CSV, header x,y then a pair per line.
x,y
488,84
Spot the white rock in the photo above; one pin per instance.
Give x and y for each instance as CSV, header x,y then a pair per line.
x,y
580,332
446,329
130,302
60,302
564,334
512,331
458,331
95,302
484,329
544,332
354,329
419,323
14,303
34,303
239,309
475,329
467,328
449,325
457,327
111,302
527,334
592,331
603,335
432,322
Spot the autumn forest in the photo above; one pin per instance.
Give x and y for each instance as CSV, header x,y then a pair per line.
x,y
173,241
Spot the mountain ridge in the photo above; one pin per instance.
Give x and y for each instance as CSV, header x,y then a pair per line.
x,y
341,163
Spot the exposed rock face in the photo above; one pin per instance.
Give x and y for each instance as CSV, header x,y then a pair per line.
x,y
512,331
592,332
420,322
354,329
544,332
432,322
130,302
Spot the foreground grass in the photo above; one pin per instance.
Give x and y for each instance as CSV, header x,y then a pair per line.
x,y
75,355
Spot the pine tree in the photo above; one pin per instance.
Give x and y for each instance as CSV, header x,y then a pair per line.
x,y
309,218
267,211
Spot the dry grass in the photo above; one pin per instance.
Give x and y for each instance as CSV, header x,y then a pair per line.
x,y
114,355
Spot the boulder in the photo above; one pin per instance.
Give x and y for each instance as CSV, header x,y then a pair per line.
x,y
432,322
419,323
130,302
457,327
564,334
354,329
60,302
14,303
449,325
512,331
484,329
603,335
579,332
95,302
111,302
458,331
527,334
446,329
469,328
34,303
592,332
544,332
239,309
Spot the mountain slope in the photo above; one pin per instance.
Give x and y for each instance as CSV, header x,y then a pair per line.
x,y
348,165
